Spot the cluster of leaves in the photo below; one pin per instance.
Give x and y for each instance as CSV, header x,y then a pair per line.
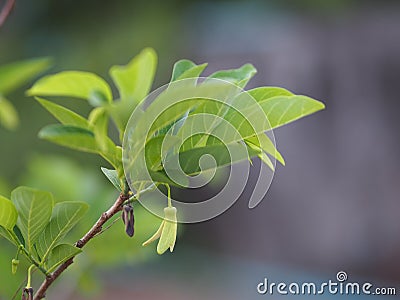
x,y
36,226
13,76
133,82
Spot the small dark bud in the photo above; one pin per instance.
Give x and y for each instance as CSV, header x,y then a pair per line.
x,y
128,219
27,294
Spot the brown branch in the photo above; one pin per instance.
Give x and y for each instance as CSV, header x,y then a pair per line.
x,y
7,8
96,228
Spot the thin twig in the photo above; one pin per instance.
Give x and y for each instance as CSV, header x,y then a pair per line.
x,y
96,228
109,226
7,8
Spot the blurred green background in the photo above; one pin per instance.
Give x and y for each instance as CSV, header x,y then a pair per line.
x,y
334,206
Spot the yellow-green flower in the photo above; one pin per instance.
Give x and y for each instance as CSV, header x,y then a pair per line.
x,y
166,232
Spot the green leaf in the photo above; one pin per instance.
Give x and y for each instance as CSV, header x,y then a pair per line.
x,y
112,175
155,147
133,82
239,77
97,99
62,114
167,116
282,110
71,84
98,120
185,68
61,254
266,92
264,143
15,74
266,160
222,154
81,139
8,114
34,211
8,235
64,217
261,154
136,78
8,213
70,136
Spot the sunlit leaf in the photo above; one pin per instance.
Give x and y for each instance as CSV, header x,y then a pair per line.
x,y
8,213
185,68
98,120
239,77
267,92
75,84
112,176
62,114
34,211
134,80
282,110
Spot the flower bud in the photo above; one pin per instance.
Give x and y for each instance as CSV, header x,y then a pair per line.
x,y
14,265
27,294
128,219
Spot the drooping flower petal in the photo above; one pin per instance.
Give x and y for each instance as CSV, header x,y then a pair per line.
x,y
155,235
168,234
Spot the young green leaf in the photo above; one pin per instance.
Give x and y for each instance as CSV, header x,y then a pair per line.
x,y
8,213
34,211
185,68
239,76
8,114
282,110
264,143
75,84
61,254
98,120
112,175
261,154
70,136
266,92
64,217
64,115
135,79
18,73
